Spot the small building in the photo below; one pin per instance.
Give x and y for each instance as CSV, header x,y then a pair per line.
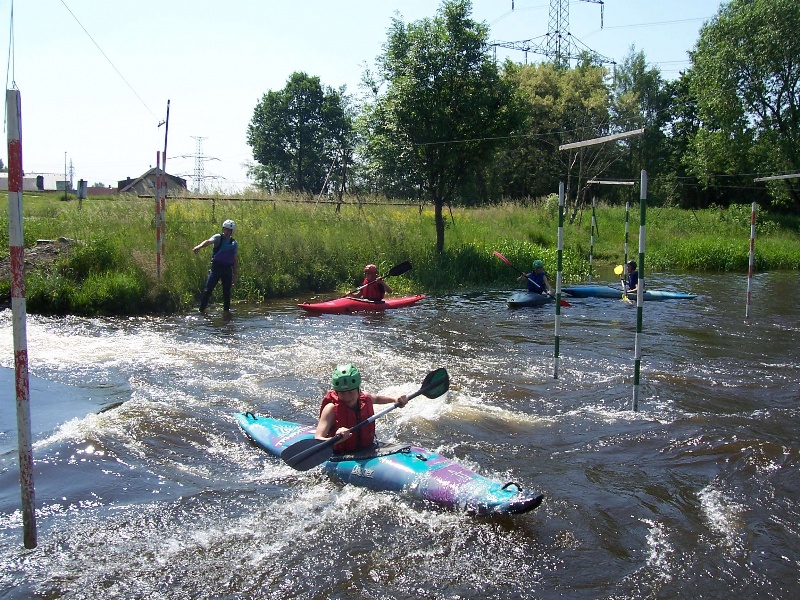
x,y
36,182
145,185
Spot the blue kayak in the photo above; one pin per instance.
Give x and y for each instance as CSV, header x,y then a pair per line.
x,y
525,298
408,469
607,291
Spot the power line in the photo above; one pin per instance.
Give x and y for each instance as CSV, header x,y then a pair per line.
x,y
109,60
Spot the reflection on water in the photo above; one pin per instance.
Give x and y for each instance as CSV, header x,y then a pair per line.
x,y
163,496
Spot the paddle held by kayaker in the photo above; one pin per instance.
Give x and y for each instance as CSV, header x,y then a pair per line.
x,y
345,406
537,279
374,287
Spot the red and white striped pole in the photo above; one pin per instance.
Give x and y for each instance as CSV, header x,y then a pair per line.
x,y
18,311
752,259
158,214
164,188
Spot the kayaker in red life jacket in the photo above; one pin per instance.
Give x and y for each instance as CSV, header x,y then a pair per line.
x,y
374,287
345,406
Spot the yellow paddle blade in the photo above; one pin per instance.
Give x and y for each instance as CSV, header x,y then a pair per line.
x,y
618,270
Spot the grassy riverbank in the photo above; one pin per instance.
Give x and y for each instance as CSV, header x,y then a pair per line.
x,y
290,248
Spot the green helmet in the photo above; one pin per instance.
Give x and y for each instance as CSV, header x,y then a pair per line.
x,y
537,264
346,378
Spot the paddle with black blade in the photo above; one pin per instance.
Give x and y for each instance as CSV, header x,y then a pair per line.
x,y
508,262
399,269
309,453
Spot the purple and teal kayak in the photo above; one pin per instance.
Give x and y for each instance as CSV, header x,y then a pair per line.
x,y
346,306
412,470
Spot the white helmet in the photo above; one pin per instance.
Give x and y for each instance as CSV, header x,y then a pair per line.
x,y
228,224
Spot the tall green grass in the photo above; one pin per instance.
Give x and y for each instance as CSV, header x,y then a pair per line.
x,y
288,248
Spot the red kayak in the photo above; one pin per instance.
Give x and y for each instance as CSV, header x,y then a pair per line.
x,y
345,306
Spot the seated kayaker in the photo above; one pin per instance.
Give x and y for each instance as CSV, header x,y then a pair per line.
x,y
373,288
345,406
537,279
631,284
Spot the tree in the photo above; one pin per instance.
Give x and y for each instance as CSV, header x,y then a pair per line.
x,y
641,98
298,135
444,105
556,103
746,78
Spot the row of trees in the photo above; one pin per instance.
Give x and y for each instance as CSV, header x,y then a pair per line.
x,y
441,121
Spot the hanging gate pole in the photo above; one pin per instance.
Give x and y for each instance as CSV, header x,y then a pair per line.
x,y
19,316
637,353
559,263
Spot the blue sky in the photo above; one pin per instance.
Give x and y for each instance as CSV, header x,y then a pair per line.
x,y
95,75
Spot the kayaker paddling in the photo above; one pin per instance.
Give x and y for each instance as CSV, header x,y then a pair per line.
x,y
630,284
373,288
345,406
537,279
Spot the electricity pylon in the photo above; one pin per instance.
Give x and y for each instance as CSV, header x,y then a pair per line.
x,y
559,44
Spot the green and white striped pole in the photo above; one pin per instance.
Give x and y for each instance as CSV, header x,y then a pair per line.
x,y
559,264
637,353
591,237
627,228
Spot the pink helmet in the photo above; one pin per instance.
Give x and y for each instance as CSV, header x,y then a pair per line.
x,y
371,269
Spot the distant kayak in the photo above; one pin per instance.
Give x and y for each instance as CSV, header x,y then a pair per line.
x,y
345,306
412,470
607,291
520,299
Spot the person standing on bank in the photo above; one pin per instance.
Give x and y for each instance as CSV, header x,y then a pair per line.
x,y
224,265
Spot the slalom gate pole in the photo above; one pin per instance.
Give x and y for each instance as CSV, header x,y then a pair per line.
x,y
163,209
591,237
637,354
752,259
627,227
559,263
19,316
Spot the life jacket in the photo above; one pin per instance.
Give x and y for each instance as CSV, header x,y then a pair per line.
x,y
362,438
224,251
537,285
373,291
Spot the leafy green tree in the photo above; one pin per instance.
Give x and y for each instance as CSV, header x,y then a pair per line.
x,y
443,108
641,99
557,105
746,78
299,136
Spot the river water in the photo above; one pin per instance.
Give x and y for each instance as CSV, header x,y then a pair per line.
x,y
146,487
